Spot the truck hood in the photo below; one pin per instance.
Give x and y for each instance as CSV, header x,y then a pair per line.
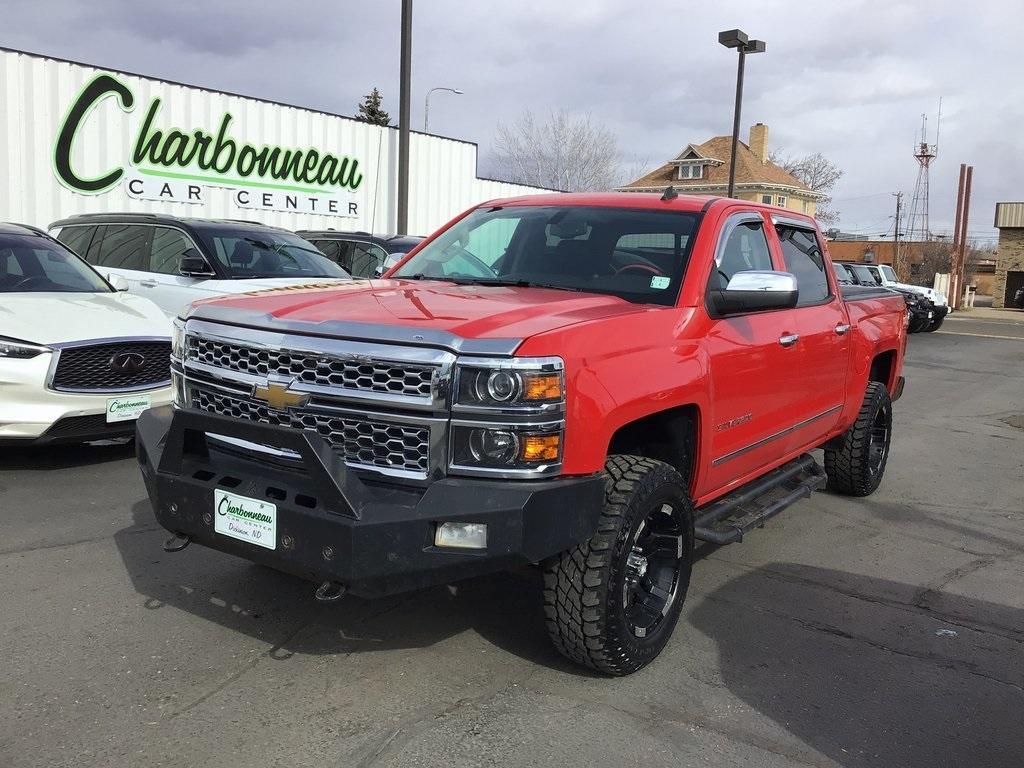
x,y
468,311
55,318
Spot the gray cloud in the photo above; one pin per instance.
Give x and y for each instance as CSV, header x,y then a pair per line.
x,y
847,79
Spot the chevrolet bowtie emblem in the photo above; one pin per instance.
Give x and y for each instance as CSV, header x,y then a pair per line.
x,y
277,395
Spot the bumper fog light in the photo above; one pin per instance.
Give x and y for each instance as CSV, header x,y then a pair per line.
x,y
461,535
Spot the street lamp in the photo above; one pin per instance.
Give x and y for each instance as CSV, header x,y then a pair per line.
x,y
426,103
736,38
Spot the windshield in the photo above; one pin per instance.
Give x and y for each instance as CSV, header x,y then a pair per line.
x,y
889,274
31,264
252,253
637,255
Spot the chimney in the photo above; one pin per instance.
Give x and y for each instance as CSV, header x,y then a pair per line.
x,y
759,141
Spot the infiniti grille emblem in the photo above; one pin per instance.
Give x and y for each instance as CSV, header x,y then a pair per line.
x,y
126,362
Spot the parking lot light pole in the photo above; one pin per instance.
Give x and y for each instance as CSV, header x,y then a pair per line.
x,y
426,104
736,38
404,107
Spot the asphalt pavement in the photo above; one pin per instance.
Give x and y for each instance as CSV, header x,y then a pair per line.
x,y
886,631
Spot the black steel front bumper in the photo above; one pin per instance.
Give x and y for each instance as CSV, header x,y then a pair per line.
x,y
373,536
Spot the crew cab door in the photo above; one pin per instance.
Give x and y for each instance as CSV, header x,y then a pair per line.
x,y
754,367
823,327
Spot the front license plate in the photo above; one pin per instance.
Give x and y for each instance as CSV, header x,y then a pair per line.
x,y
126,408
245,519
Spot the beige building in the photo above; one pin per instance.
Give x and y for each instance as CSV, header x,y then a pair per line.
x,y
1009,276
703,169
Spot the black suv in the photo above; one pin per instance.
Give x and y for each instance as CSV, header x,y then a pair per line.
x,y
360,253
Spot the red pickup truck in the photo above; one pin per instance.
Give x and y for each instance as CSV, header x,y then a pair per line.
x,y
586,382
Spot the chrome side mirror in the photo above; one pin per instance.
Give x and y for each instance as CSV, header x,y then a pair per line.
x,y
755,291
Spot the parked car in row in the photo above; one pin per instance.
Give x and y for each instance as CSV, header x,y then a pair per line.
x,y
175,261
886,276
79,360
587,382
360,253
922,313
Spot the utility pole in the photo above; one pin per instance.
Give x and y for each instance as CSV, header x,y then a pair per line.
x,y
957,223
404,117
962,256
898,262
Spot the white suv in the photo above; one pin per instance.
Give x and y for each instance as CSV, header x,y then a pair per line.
x,y
175,261
885,275
79,360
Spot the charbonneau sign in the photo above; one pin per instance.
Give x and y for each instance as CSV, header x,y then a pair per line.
x,y
178,161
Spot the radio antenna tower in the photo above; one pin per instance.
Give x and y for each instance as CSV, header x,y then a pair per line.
x,y
916,222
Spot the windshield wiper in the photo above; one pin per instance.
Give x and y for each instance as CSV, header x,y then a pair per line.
x,y
514,283
495,281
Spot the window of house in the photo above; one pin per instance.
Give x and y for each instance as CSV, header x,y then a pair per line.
x,y
766,199
803,258
781,201
691,171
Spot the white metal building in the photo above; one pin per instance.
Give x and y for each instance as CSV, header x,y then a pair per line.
x,y
77,139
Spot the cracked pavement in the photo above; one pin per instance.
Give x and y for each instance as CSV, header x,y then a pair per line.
x,y
886,631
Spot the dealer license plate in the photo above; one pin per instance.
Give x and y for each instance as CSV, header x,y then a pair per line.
x,y
245,519
126,408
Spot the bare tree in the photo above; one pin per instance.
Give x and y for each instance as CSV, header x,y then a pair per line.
x,y
818,173
936,256
561,151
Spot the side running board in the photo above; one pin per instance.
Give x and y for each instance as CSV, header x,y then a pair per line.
x,y
725,520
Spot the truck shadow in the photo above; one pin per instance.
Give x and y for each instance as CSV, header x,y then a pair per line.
x,y
46,458
854,669
277,608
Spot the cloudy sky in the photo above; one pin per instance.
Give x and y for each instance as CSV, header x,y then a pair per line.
x,y
847,78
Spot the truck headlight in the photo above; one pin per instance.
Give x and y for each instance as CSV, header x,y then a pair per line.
x,y
21,350
178,339
507,417
515,383
502,447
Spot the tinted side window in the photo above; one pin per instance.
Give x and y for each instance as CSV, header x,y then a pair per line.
x,y
123,247
803,258
76,238
366,257
328,248
745,249
166,250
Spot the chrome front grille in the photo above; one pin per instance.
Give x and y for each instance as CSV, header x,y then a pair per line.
x,y
361,440
382,407
322,369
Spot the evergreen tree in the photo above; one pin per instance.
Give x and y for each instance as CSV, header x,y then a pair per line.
x,y
370,110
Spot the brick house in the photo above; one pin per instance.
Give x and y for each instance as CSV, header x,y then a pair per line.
x,y
1009,276
704,169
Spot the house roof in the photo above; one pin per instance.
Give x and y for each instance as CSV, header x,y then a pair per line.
x,y
749,170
